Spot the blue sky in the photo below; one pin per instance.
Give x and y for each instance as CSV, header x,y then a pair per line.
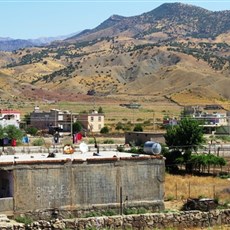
x,y
47,18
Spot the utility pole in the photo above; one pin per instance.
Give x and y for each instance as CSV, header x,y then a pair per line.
x,y
71,123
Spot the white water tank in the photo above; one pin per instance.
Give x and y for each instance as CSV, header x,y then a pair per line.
x,y
152,148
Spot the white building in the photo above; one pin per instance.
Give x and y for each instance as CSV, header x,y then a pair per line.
x,y
9,117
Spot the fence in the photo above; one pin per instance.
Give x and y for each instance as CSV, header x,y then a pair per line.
x,y
188,190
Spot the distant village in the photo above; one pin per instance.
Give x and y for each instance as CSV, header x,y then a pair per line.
x,y
214,118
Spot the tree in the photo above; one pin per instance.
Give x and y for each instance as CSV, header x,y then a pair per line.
x,y
104,130
13,132
138,128
100,110
27,119
119,126
77,127
184,137
32,130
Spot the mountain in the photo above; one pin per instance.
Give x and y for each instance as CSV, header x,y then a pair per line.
x,y
173,19
10,44
176,52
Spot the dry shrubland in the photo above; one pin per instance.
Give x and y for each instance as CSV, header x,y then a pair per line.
x,y
179,188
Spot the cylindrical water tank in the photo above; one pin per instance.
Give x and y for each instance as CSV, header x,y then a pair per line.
x,y
151,147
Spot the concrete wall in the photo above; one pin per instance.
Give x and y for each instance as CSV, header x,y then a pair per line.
x,y
139,138
85,184
6,204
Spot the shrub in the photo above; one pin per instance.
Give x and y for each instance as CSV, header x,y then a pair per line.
x,y
119,126
38,142
104,130
138,128
24,219
32,130
108,141
120,148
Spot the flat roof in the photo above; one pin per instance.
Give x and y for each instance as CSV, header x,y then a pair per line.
x,y
77,156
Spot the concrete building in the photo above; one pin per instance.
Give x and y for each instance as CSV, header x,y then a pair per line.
x,y
93,121
54,118
139,138
212,117
80,182
9,117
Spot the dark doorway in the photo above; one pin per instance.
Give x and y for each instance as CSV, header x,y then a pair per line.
x,y
6,183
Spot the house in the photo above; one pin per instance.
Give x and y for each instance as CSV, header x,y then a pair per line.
x,y
9,117
59,120
93,121
53,119
139,138
210,116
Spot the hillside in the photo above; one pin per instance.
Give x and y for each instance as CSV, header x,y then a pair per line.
x,y
172,53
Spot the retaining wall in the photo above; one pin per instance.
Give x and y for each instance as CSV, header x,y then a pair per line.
x,y
177,220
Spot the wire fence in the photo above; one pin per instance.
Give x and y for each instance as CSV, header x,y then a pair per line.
x,y
189,190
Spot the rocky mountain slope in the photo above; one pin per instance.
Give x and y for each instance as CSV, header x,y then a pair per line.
x,y
170,53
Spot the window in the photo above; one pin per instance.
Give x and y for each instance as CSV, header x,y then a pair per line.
x,y
99,118
60,117
91,118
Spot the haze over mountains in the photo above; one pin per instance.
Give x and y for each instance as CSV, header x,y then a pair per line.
x,y
175,52
11,44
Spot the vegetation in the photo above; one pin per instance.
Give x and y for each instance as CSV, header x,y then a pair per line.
x,y
183,138
30,58
11,132
212,54
105,130
108,141
138,128
32,131
201,162
180,187
24,219
77,127
66,72
38,142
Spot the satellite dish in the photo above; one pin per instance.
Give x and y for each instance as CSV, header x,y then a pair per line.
x,y
83,147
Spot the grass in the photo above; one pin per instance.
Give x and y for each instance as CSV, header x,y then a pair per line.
x,y
113,111
24,219
179,188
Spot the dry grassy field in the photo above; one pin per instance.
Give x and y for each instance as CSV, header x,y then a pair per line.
x,y
179,188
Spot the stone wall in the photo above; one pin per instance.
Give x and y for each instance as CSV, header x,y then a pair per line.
x,y
176,220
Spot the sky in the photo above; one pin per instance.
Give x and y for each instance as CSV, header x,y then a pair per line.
x,y
25,19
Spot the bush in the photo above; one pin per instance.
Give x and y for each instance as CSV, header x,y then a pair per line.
x,y
24,219
32,131
138,128
120,148
38,142
104,130
119,126
109,141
